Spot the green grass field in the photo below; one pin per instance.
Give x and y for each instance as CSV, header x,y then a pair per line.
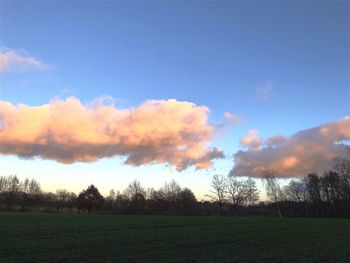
x,y
105,238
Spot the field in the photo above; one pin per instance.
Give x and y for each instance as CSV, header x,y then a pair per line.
x,y
105,238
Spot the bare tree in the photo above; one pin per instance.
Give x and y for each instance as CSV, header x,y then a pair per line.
x,y
110,200
295,191
12,190
3,183
133,189
250,191
34,192
171,191
342,167
313,186
218,191
136,195
157,200
273,188
235,192
24,194
331,191
3,189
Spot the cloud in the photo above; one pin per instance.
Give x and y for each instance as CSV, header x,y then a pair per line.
x,y
264,92
232,119
158,131
18,60
302,153
229,119
252,141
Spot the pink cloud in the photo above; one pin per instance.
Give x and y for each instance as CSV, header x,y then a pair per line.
x,y
157,131
302,153
252,141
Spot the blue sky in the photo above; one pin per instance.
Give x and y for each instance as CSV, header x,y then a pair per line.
x,y
218,54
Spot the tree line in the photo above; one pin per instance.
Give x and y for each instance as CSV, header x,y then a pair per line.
x,y
27,195
325,195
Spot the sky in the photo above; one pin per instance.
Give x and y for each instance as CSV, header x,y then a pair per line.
x,y
178,90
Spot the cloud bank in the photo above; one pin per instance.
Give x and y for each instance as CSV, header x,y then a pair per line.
x,y
302,153
158,131
15,60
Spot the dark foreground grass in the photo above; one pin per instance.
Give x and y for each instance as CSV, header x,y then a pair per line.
x,y
105,238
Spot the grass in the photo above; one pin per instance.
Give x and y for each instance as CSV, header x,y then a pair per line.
x,y
30,237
